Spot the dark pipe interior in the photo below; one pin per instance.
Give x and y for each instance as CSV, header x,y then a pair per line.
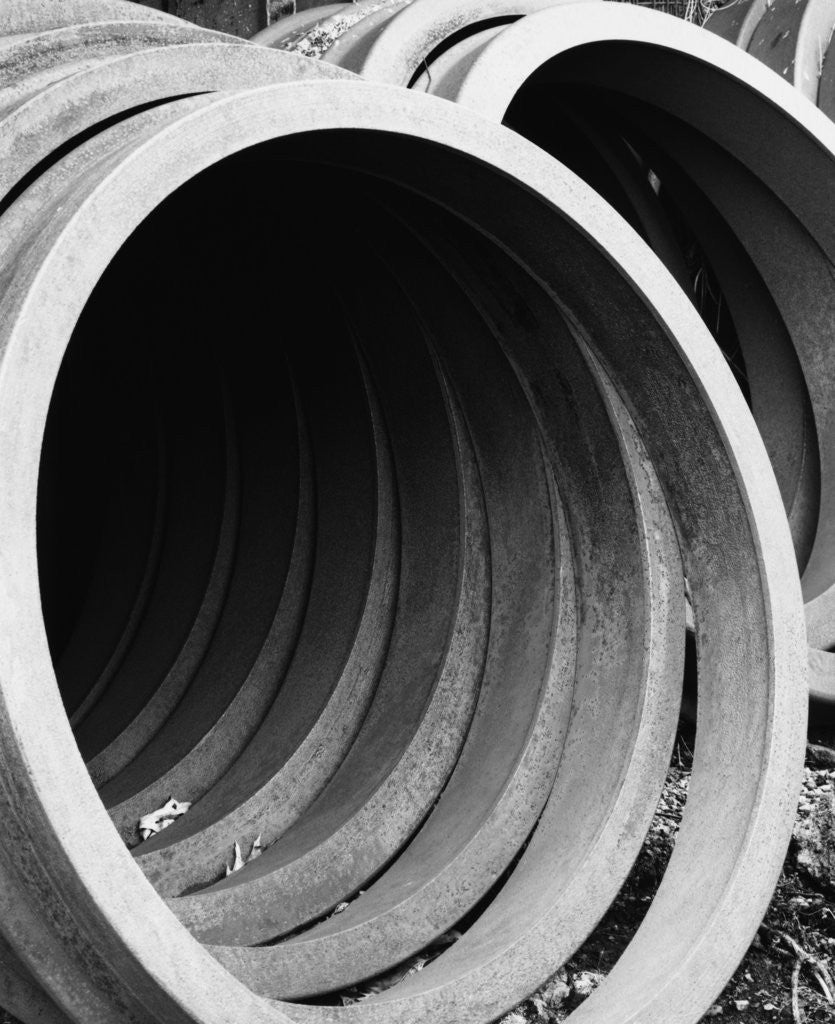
x,y
250,367
582,125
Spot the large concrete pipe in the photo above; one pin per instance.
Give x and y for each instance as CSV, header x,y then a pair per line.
x,y
380,557
795,41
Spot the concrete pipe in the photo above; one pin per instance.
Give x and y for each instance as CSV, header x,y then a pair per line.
x,y
794,40
613,132
381,561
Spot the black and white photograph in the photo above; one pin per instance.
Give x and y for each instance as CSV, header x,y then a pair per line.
x,y
417,512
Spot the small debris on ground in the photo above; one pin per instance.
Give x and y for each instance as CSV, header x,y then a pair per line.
x,y
552,995
340,907
358,993
820,756
814,831
585,982
238,859
162,817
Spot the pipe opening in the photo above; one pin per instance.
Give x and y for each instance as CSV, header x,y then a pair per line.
x,y
309,543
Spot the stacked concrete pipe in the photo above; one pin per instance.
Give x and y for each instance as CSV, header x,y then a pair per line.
x,y
359,465
747,209
795,41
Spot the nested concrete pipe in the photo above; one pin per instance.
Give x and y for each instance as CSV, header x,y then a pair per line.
x,y
381,556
